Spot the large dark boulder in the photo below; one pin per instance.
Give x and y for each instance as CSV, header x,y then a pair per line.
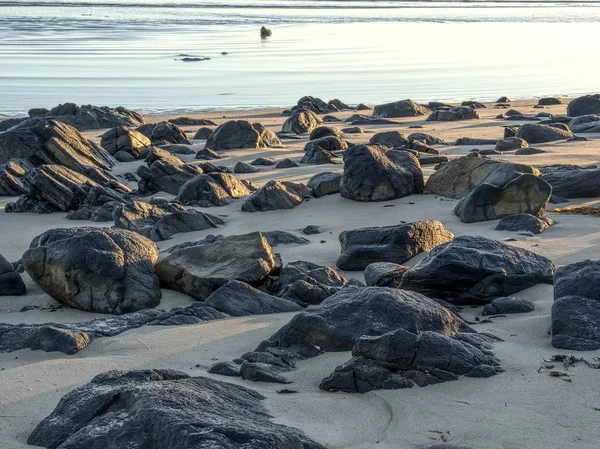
x,y
534,133
508,305
52,142
549,101
124,139
236,134
165,174
588,104
301,121
384,274
161,409
372,173
524,223
95,269
527,194
460,176
324,183
11,283
454,114
198,270
396,244
276,195
585,124
212,189
573,181
391,139
240,299
164,133
403,108
401,359
474,270
11,177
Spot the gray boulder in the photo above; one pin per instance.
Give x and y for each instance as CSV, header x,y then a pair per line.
x,y
324,131
95,269
301,121
454,114
573,181
549,101
165,176
203,133
243,167
585,124
395,244
164,133
240,299
511,143
588,104
88,117
527,194
372,173
391,139
124,139
578,279
324,183
276,195
403,108
524,223
236,134
460,176
198,270
384,274
470,141
11,283
474,270
534,133
158,409
286,163
508,305
401,359
212,189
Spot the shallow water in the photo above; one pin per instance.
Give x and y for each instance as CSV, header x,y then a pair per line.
x,y
126,52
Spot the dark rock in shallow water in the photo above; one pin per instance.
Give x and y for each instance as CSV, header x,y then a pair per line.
x,y
164,133
403,108
526,194
588,104
534,133
95,269
401,359
324,183
474,270
372,173
276,195
240,299
508,305
396,244
462,175
159,409
11,283
200,269
524,223
459,113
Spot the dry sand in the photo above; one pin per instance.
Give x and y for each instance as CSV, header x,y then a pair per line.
x,y
518,409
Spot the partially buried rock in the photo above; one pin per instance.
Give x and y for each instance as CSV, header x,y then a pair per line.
x,y
508,305
588,104
372,173
571,181
534,133
312,230
474,270
384,274
460,176
12,176
286,163
301,121
585,124
164,133
95,269
401,359
187,121
524,223
459,113
325,183
403,108
526,194
241,134
243,167
276,195
240,299
198,270
165,174
159,409
11,283
511,143
396,244
549,101
124,139
213,189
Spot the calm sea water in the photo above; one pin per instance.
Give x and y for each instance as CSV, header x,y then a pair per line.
x,y
125,52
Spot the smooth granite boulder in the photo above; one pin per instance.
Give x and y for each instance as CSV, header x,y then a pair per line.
x,y
212,189
324,183
198,270
527,194
462,175
588,104
396,244
403,108
475,270
391,139
511,143
372,173
276,195
535,133
301,121
95,269
11,283
124,139
161,409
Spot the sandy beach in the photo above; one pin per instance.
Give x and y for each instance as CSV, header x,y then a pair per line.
x,y
522,407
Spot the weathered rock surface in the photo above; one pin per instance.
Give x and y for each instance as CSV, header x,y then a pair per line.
x,y
524,223
391,139
243,167
549,101
508,305
124,139
286,163
474,270
200,269
158,409
301,121
535,133
511,143
88,117
240,134
474,141
11,283
11,177
164,133
188,121
384,274
276,195
527,194
454,114
573,181
372,173
401,359
460,176
203,133
395,244
165,175
324,183
588,104
403,108
213,189
95,269
585,124
240,299
276,238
